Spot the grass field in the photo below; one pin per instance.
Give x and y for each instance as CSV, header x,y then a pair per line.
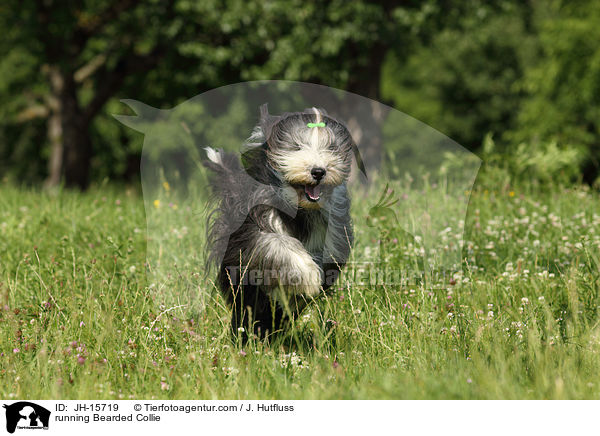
x,y
80,317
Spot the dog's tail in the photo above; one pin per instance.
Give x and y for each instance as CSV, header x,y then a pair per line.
x,y
214,155
225,165
228,188
226,175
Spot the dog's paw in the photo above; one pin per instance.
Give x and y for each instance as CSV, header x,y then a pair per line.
x,y
304,277
286,265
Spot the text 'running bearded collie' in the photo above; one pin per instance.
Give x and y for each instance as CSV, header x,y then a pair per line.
x,y
281,230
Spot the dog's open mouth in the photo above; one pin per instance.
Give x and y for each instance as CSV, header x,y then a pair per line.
x,y
312,192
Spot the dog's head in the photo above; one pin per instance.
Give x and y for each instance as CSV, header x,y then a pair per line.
x,y
311,153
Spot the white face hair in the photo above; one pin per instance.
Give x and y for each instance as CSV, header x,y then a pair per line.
x,y
302,144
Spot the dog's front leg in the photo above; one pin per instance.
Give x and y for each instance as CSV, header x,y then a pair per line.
x,y
285,264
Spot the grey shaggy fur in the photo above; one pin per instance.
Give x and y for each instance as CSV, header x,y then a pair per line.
x,y
275,247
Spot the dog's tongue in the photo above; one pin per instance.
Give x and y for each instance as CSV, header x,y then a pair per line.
x,y
314,192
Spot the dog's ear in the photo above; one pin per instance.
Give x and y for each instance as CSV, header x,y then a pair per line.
x,y
267,121
359,161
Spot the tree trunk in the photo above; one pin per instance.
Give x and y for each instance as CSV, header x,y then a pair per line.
x,y
68,133
366,121
77,154
56,149
54,128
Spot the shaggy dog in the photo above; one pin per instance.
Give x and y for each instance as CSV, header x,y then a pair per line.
x,y
281,230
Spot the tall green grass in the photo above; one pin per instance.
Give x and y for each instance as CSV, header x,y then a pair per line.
x,y
83,314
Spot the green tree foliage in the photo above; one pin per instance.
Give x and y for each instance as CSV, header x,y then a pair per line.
x,y
527,72
466,81
65,61
563,89
68,63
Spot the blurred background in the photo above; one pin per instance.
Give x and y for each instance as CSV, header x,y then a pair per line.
x,y
517,82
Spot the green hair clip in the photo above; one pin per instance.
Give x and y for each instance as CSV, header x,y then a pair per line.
x,y
315,125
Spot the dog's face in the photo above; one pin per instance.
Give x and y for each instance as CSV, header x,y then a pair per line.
x,y
313,155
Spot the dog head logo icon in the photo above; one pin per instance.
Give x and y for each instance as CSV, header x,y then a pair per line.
x,y
26,415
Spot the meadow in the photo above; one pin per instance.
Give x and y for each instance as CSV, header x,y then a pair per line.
x,y
80,318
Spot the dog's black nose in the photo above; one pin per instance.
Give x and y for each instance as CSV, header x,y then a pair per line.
x,y
318,173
